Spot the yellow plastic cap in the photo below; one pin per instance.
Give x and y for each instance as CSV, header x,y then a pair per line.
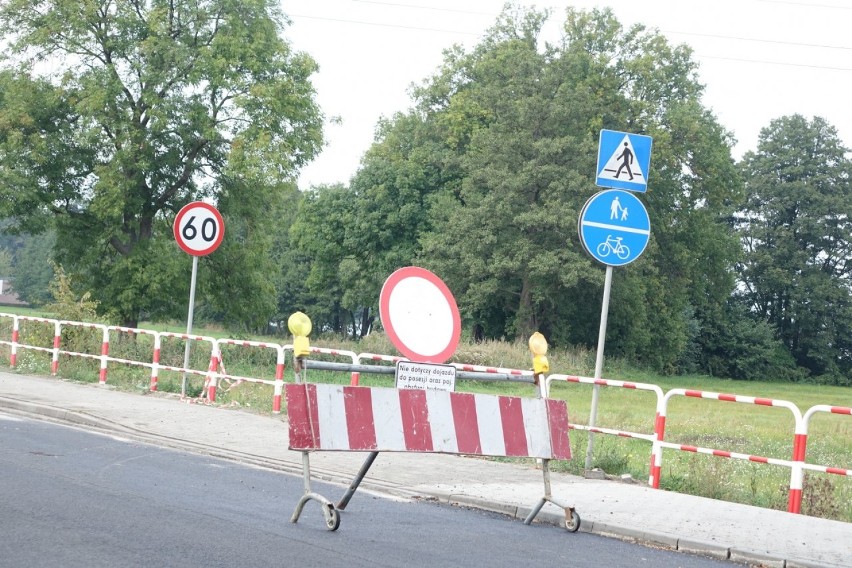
x,y
538,344
299,324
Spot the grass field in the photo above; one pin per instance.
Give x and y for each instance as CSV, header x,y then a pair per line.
x,y
729,426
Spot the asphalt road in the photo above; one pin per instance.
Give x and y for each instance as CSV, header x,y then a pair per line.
x,y
71,498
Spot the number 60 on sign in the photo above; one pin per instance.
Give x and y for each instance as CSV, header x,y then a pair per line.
x,y
199,228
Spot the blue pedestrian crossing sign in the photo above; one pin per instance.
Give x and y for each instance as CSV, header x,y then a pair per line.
x,y
614,227
623,160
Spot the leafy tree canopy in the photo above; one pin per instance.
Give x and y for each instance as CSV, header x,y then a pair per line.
x,y
484,178
796,228
113,115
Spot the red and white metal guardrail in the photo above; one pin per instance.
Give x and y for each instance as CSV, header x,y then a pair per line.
x,y
796,477
212,375
654,475
277,383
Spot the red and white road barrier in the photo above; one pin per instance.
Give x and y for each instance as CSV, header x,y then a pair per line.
x,y
796,475
355,376
348,418
53,350
153,365
104,356
654,472
800,448
277,384
209,388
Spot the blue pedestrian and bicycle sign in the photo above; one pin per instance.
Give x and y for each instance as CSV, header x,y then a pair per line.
x,y
614,227
623,160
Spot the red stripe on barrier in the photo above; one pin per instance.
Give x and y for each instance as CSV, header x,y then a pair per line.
x,y
514,433
834,409
301,437
660,426
689,448
758,459
557,414
728,397
795,501
836,470
721,453
360,425
415,420
694,394
466,423
800,444
313,408
764,401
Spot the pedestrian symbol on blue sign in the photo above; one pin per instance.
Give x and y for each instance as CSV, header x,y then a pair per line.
x,y
623,160
614,227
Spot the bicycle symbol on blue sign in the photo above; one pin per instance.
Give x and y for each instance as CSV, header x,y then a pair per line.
x,y
615,246
614,227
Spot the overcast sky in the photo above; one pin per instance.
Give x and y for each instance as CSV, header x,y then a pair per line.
x,y
759,59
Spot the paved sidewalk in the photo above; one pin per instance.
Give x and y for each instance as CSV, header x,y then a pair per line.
x,y
742,533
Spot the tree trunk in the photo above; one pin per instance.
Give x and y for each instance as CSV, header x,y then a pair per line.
x,y
366,322
526,321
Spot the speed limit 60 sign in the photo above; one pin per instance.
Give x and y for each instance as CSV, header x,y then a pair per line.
x,y
199,228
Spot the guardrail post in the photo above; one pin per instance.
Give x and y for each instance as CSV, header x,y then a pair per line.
x,y
656,448
104,355
356,376
13,354
155,363
797,477
54,364
211,373
279,380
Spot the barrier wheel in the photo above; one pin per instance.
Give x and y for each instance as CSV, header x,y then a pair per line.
x,y
572,524
332,518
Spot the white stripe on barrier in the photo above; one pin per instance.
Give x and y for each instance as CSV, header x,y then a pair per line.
x,y
490,437
387,413
441,422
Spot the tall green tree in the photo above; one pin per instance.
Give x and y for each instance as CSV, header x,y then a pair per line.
x,y
517,123
325,257
32,270
147,106
796,229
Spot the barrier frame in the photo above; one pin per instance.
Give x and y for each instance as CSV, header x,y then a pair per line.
x,y
654,472
277,383
796,467
331,512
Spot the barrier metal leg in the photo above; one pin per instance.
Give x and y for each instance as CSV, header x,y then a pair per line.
x,y
332,516
572,519
341,505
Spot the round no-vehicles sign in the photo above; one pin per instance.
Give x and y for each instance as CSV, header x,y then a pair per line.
x,y
199,228
420,315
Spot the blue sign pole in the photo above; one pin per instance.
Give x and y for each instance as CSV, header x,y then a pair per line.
x,y
614,228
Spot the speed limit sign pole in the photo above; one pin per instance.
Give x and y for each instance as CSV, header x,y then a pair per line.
x,y
199,229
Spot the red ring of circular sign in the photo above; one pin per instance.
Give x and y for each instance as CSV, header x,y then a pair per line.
x,y
384,313
220,233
